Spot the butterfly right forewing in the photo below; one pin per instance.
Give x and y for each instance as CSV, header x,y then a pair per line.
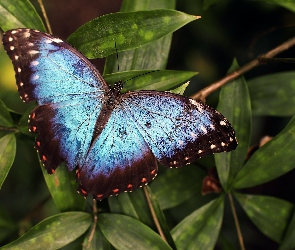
x,y
178,130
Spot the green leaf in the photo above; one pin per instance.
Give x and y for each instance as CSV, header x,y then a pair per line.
x,y
175,186
181,89
123,31
288,243
5,118
149,79
53,232
273,94
150,56
133,204
288,4
7,155
272,160
19,14
63,187
159,216
98,241
200,229
234,104
124,232
271,215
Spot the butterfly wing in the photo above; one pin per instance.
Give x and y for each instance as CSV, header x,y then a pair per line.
x,y
69,90
119,159
177,129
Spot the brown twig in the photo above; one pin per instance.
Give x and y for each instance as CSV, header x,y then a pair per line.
x,y
154,216
231,201
202,94
45,16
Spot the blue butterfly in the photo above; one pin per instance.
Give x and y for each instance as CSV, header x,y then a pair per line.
x,y
113,140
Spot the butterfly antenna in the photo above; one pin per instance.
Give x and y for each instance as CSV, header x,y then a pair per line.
x,y
117,56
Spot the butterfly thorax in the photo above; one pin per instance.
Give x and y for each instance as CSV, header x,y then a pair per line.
x,y
112,97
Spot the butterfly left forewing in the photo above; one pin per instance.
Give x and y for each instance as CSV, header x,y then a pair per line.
x,y
69,90
178,130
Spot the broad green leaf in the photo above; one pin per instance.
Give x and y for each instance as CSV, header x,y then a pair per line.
x,y
288,4
7,224
63,187
273,94
150,56
288,242
133,204
19,14
234,104
272,160
149,79
98,241
124,232
123,31
5,118
271,215
174,186
7,155
159,216
53,232
122,204
200,229
181,89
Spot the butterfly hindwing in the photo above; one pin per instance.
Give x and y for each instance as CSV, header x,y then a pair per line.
x,y
119,159
69,90
177,129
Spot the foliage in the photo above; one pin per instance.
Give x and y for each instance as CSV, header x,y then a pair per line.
x,y
172,205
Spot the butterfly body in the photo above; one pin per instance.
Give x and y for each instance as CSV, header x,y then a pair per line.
x,y
112,139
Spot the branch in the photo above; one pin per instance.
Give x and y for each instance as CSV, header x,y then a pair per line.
x,y
202,94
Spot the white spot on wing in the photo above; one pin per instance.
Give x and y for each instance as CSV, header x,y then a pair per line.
x,y
48,41
21,84
33,52
198,105
35,77
200,151
222,123
27,34
212,146
16,57
203,129
223,144
11,47
19,70
57,40
10,39
34,63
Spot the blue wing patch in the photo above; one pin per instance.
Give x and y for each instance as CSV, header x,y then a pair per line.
x,y
113,140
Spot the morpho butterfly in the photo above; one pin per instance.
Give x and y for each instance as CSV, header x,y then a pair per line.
x,y
112,139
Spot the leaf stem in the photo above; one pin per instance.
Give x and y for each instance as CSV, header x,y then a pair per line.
x,y
155,219
45,16
202,94
94,224
236,221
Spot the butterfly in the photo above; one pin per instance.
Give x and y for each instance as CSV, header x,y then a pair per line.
x,y
112,139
